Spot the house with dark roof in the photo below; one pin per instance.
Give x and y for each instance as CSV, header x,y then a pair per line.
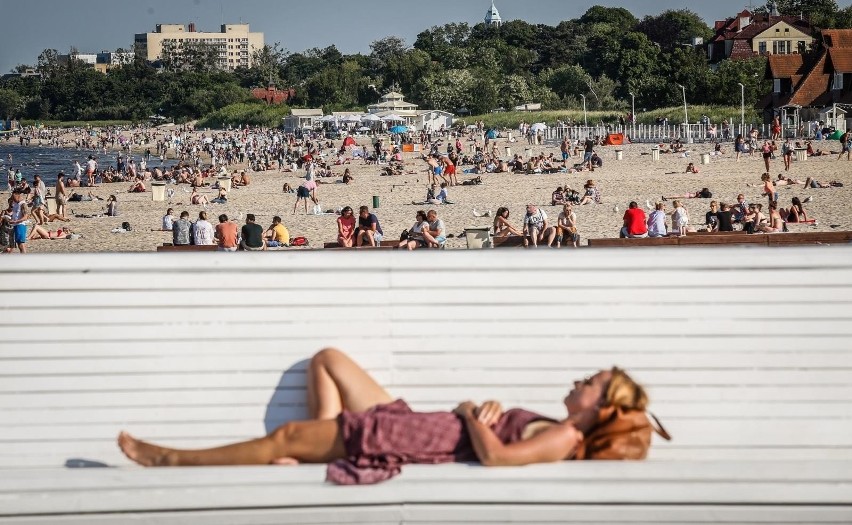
x,y
749,35
806,84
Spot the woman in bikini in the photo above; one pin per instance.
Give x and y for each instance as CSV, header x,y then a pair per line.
x,y
776,223
502,226
367,436
197,198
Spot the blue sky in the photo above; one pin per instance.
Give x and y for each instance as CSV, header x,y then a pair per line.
x,y
30,26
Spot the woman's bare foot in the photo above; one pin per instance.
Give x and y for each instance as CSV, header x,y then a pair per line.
x,y
285,461
145,454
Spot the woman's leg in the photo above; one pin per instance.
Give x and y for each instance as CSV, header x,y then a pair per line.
x,y
336,382
304,441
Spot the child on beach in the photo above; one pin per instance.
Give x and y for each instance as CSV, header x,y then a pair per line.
x,y
690,168
680,218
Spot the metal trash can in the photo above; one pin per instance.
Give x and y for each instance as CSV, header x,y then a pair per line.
x,y
158,191
655,154
801,154
705,158
376,201
224,183
478,238
619,154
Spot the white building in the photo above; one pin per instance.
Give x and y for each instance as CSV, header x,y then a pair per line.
x,y
492,17
394,103
301,119
235,42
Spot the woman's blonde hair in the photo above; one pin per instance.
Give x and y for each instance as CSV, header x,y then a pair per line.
x,y
624,392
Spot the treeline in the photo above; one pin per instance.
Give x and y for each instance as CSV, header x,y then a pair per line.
x,y
603,56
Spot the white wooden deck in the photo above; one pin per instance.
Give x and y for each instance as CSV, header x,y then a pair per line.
x,y
747,354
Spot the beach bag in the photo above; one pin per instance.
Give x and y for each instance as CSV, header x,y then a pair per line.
x,y
620,434
126,226
299,241
317,209
404,235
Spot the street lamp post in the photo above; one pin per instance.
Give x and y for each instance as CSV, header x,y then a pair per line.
x,y
632,109
585,117
685,114
742,106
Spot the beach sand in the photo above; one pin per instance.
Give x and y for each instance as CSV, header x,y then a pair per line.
x,y
636,177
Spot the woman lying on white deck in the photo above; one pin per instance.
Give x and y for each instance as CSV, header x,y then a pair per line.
x,y
366,436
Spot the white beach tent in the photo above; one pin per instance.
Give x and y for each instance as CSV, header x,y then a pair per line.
x,y
352,118
370,118
393,118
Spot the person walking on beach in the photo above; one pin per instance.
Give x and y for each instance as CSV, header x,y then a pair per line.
x,y
91,167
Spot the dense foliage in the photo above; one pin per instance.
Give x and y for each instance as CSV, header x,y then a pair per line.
x,y
604,56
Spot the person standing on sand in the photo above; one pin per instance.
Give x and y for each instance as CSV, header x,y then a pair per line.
x,y
91,167
60,196
18,219
845,146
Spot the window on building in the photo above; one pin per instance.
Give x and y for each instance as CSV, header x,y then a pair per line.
x,y
838,81
781,47
761,48
802,45
776,85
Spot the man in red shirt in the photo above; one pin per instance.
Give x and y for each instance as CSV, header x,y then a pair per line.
x,y
634,222
226,234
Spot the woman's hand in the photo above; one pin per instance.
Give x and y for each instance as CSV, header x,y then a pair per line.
x,y
488,412
465,408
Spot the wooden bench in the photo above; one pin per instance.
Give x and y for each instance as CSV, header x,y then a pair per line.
x,y
197,353
187,248
730,238
382,244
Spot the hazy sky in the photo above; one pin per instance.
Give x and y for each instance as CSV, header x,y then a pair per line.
x,y
29,26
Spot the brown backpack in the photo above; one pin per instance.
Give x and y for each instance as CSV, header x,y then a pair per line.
x,y
620,434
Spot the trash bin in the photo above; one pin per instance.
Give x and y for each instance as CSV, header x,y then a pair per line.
x,y
508,153
619,154
376,201
801,154
224,183
478,238
655,154
158,191
51,205
705,158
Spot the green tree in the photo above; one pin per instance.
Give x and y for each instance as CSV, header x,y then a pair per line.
x,y
672,29
10,103
618,17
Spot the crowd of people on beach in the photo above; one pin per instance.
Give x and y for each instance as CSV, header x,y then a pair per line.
x,y
224,161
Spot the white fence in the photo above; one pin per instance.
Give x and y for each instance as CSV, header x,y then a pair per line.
x,y
657,133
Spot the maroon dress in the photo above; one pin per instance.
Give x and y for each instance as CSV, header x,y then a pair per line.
x,y
386,437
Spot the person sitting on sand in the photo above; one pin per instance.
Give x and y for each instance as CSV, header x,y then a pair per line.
x,y
221,197
690,168
287,188
347,177
703,193
502,226
40,232
277,235
591,195
557,198
198,199
796,213
349,408
415,237
137,187
776,223
112,206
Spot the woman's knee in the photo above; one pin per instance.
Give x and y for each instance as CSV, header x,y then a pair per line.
x,y
326,356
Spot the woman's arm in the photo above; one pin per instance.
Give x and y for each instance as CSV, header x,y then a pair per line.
x,y
554,444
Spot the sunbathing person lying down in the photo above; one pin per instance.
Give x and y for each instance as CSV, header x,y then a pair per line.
x,y
366,436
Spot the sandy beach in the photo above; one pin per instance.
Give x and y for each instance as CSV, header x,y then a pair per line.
x,y
636,177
